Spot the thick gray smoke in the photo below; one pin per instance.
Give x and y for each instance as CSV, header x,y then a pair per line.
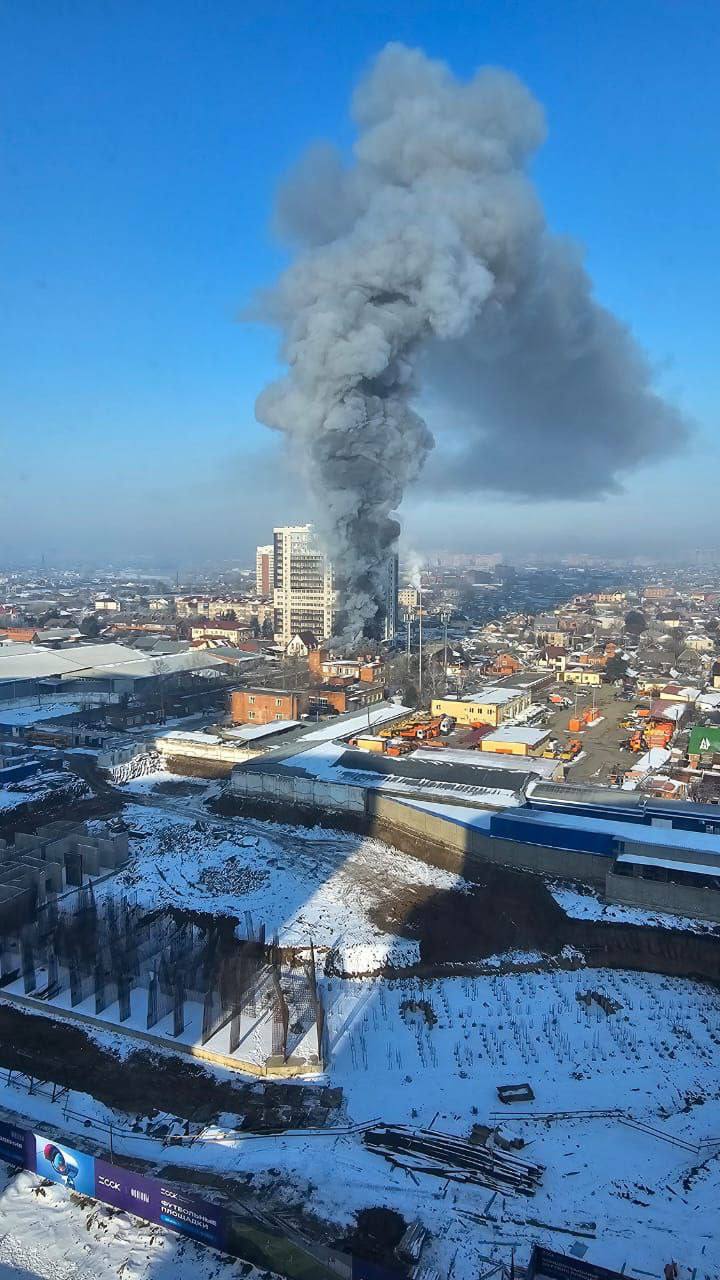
x,y
429,260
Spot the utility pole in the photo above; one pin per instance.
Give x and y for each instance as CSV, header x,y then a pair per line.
x,y
420,622
445,619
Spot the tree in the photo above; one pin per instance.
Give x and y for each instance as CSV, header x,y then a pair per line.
x,y
616,667
268,630
90,626
635,622
160,670
254,627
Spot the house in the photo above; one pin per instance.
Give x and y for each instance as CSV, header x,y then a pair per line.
x,y
301,644
581,675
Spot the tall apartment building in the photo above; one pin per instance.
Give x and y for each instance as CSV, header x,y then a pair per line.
x,y
264,559
305,596
303,587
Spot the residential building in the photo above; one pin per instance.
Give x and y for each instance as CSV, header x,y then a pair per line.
x,y
581,675
304,595
408,598
264,561
263,706
229,634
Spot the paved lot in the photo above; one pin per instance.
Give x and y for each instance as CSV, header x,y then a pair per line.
x,y
601,745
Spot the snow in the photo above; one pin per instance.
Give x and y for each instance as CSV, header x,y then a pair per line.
x,y
307,883
323,762
26,711
248,732
463,815
630,832
48,1234
345,728
530,737
699,868
653,1060
586,905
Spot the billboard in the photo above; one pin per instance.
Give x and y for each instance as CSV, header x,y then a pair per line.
x,y
127,1190
12,1143
545,1264
191,1215
73,1169
149,1198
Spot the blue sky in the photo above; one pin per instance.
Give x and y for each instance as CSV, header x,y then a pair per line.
x,y
140,148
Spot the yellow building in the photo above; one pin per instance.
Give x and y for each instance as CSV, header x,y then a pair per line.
x,y
581,675
488,706
514,741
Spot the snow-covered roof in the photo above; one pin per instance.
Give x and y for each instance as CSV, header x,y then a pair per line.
x,y
530,737
248,732
346,726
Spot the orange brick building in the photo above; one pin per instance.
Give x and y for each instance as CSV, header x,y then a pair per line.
x,y
263,706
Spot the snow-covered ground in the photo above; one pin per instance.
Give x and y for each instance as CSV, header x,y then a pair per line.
x,y
588,906
306,883
47,1234
432,1054
654,1058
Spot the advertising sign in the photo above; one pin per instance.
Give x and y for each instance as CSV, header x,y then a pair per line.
x,y
12,1143
193,1216
127,1190
152,1199
545,1264
73,1169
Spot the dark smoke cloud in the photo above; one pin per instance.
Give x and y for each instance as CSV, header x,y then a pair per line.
x,y
428,265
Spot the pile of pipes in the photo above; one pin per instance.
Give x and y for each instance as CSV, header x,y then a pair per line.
x,y
445,1156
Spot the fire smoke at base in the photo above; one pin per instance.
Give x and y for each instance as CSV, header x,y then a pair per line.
x,y
431,251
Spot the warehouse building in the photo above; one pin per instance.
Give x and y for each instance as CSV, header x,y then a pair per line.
x,y
493,706
514,741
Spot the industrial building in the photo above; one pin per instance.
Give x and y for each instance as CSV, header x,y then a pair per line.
x,y
94,669
514,741
491,706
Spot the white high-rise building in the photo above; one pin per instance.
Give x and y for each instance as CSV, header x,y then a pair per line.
x,y
304,593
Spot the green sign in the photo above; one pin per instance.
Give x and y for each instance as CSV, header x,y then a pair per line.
x,y
704,740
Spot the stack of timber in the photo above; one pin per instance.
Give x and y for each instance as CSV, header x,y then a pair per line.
x,y
445,1156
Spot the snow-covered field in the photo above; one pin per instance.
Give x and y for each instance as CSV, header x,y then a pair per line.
x,y
431,1054
306,883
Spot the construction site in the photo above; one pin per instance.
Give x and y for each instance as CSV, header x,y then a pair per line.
x,y
159,977
394,988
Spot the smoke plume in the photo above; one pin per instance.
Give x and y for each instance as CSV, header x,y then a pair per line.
x,y
427,265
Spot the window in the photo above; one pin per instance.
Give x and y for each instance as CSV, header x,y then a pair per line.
x,y
251,699
279,717
251,715
278,702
